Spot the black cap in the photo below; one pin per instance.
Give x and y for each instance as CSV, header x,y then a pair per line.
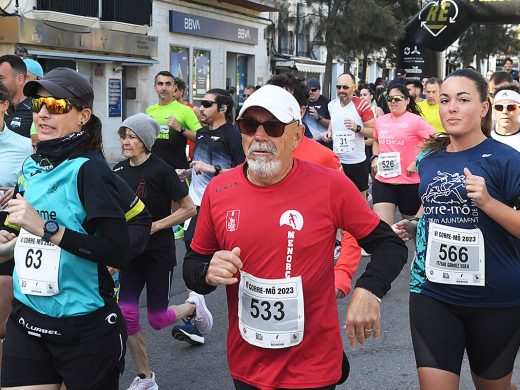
x,y
63,83
401,72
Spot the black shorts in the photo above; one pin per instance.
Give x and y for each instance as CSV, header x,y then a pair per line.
x,y
441,332
7,268
404,196
84,352
358,173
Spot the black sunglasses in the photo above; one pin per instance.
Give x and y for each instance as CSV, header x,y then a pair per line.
x,y
509,107
274,129
313,89
207,103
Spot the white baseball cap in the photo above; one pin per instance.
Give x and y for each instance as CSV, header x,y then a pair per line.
x,y
277,101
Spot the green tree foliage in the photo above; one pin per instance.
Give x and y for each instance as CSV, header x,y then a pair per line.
x,y
357,28
483,41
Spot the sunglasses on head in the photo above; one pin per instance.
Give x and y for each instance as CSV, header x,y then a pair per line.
x,y
509,107
274,129
344,86
395,98
54,105
207,103
313,89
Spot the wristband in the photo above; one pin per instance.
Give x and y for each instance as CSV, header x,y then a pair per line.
x,y
319,118
414,219
183,129
374,157
358,129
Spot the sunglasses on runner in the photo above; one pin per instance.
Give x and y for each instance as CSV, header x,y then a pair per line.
x,y
509,107
207,103
274,129
344,86
54,105
395,98
313,89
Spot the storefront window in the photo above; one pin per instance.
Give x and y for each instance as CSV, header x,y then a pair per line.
x,y
201,73
180,62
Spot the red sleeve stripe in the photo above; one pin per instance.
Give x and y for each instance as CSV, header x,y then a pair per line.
x,y
363,108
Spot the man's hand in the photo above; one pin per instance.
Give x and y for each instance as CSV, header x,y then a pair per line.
x,y
350,124
23,214
8,194
202,167
363,317
183,173
340,294
172,122
223,266
405,229
327,136
314,112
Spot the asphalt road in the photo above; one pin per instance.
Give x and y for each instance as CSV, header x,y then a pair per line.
x,y
384,364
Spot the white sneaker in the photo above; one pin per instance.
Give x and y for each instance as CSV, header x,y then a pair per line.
x,y
202,317
363,253
144,384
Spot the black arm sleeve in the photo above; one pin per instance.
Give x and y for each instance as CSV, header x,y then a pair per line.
x,y
389,255
194,272
110,247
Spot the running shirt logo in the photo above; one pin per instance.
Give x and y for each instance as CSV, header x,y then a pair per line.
x,y
111,318
141,191
214,138
232,219
446,188
293,219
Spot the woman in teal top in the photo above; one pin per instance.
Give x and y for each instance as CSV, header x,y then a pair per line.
x,y
65,325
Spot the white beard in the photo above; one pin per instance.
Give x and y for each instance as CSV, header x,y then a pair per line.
x,y
261,165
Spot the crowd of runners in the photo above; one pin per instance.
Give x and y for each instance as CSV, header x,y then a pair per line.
x,y
320,181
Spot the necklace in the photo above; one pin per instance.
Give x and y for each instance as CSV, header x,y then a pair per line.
x,y
452,149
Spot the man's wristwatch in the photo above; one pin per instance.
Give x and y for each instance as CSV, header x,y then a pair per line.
x,y
319,118
358,129
182,130
50,228
218,168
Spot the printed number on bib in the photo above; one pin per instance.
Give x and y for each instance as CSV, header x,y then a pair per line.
x,y
270,311
343,141
37,263
389,164
455,256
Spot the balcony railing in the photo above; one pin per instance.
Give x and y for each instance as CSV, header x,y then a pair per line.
x,y
76,7
128,11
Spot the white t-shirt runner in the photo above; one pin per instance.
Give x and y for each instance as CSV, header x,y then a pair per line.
x,y
347,144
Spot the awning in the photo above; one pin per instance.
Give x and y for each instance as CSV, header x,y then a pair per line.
x,y
128,61
310,68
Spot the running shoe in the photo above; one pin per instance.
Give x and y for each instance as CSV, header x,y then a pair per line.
x,y
364,253
187,332
142,383
202,317
337,250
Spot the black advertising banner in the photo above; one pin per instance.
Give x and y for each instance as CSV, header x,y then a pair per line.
x,y
442,22
439,24
418,61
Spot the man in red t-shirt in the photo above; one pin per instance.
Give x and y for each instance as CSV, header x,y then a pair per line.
x,y
266,234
